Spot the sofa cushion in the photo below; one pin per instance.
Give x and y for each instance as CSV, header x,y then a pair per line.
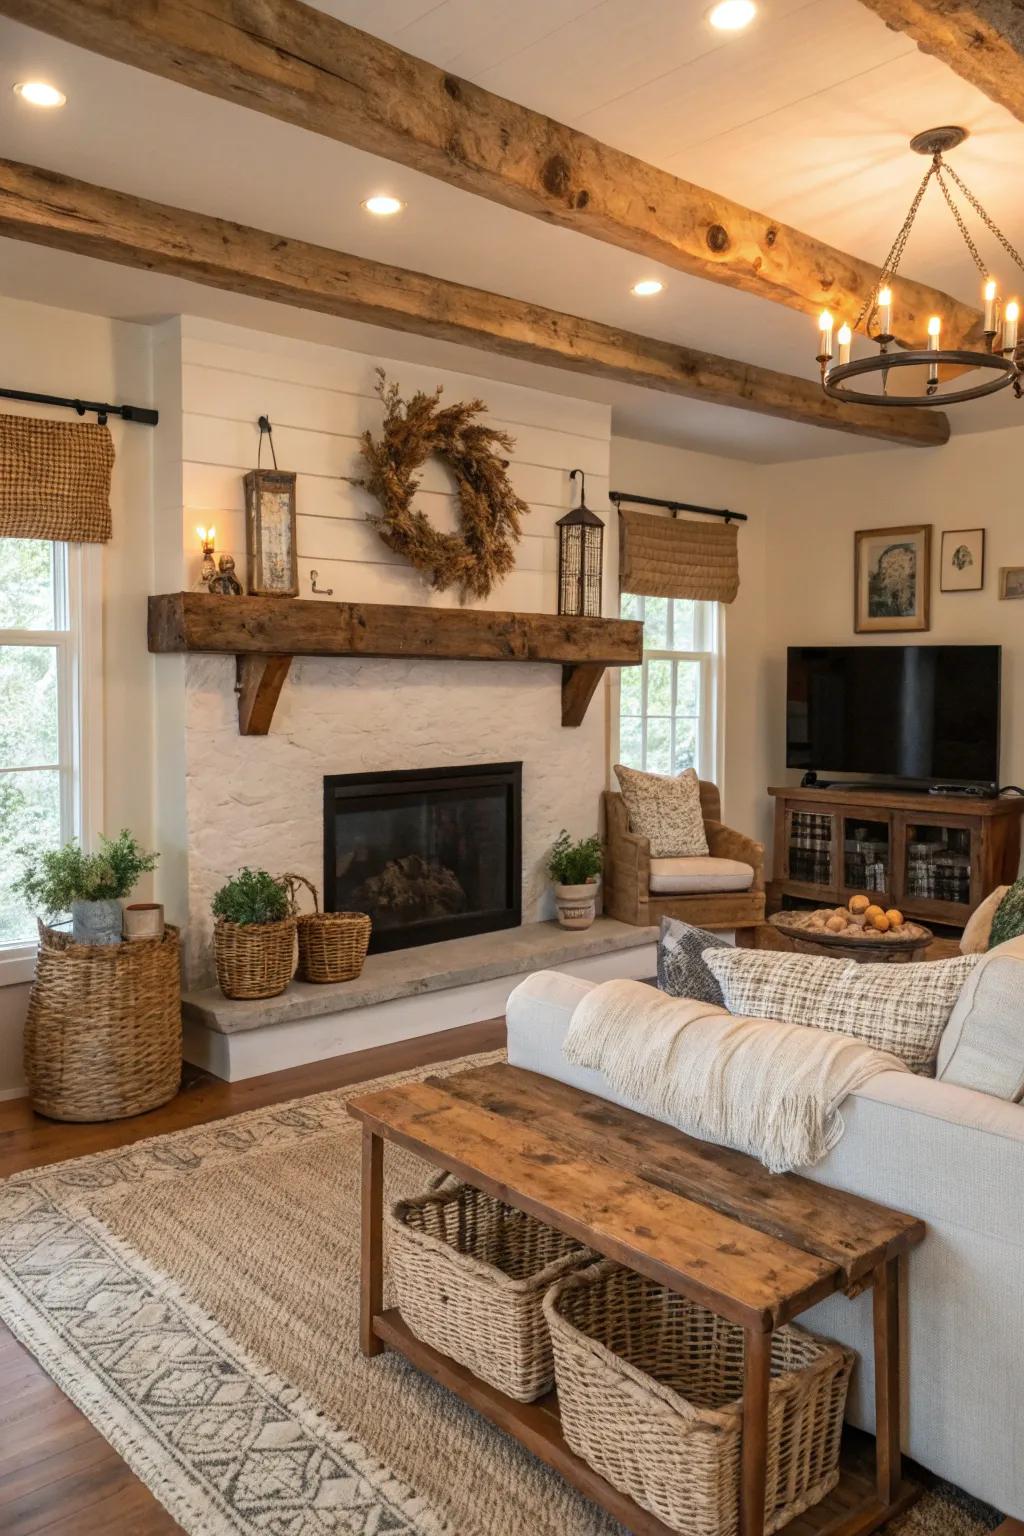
x,y
978,929
685,877
664,810
982,1046
899,1008
1008,922
682,970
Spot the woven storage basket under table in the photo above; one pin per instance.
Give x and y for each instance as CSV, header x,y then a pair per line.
x,y
332,945
103,1031
470,1275
254,959
650,1389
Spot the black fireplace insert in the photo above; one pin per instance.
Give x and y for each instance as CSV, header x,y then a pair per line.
x,y
429,853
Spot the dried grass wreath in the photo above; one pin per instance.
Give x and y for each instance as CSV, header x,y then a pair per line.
x,y
490,512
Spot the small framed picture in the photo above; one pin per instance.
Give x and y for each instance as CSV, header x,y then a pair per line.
x,y
272,566
962,563
1011,581
892,579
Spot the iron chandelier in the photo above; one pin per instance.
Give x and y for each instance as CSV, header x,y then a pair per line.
x,y
1000,358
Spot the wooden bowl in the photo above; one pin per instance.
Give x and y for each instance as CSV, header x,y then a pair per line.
x,y
874,949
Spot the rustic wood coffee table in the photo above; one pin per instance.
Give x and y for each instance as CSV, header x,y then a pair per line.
x,y
755,1247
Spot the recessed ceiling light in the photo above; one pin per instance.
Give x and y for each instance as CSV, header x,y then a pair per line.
x,y
732,15
39,94
383,205
646,287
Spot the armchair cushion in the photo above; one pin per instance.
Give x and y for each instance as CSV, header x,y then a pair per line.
x,y
666,811
694,876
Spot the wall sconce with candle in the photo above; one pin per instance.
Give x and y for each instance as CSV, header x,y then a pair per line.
x,y
208,569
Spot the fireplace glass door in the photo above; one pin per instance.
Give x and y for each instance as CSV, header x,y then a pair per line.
x,y
430,854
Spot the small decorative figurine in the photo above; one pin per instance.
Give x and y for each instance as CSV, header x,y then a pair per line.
x,y
226,583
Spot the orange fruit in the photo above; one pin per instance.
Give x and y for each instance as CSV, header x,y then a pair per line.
x,y
874,910
859,903
880,922
835,925
895,917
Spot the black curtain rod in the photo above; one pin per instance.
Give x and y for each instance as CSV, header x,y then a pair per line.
x,y
140,413
677,506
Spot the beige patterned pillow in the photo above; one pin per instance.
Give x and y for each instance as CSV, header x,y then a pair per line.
x,y
666,811
899,1008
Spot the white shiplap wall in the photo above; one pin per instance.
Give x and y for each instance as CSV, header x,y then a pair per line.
x,y
259,800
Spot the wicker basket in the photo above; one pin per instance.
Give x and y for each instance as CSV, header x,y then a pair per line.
x,y
470,1275
332,945
103,1032
650,1388
254,959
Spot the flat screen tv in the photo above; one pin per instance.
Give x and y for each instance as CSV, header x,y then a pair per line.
x,y
923,714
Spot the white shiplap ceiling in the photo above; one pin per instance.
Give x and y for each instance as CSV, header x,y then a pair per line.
x,y
805,116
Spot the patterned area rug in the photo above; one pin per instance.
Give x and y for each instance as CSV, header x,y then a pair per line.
x,y
196,1296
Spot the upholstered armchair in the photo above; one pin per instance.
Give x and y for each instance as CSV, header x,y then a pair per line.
x,y
724,889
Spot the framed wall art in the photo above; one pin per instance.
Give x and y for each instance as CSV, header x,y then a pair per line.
x,y
962,560
272,567
892,579
1011,581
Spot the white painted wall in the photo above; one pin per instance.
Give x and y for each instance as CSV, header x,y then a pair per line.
x,y
258,800
61,352
814,509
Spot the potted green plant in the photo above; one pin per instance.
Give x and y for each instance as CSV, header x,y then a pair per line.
x,y
574,869
91,886
254,935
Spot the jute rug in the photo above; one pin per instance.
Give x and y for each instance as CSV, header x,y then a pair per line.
x,y
196,1296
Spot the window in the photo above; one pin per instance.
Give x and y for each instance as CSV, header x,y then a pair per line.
x,y
668,708
42,672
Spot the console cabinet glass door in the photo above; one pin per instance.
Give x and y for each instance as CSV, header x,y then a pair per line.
x,y
938,861
811,839
867,855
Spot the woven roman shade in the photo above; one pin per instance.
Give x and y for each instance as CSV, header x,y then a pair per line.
x,y
55,480
671,557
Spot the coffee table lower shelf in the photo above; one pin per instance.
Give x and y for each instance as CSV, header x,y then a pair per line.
x,y
851,1509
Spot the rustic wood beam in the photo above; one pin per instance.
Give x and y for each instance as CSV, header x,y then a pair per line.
x,y
980,40
305,67
579,684
259,684
53,210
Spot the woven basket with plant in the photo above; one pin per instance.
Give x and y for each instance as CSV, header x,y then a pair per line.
x,y
332,945
254,935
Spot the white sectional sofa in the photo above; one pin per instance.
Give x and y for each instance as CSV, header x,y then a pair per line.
x,y
954,1157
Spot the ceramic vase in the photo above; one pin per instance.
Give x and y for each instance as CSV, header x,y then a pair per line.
x,y
143,920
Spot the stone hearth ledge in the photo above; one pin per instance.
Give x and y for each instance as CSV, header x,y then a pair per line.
x,y
414,972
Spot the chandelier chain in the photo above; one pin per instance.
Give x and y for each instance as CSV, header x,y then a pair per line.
x,y
892,261
961,225
986,219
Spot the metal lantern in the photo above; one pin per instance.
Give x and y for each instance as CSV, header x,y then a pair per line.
x,y
580,557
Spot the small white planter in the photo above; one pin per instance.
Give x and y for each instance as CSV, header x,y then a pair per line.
x,y
143,920
576,904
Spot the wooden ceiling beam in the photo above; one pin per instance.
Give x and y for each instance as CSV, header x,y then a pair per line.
x,y
980,40
285,59
48,209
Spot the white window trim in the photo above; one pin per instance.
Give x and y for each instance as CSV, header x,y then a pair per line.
x,y
712,684
80,690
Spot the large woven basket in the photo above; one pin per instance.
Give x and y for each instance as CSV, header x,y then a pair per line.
x,y
254,959
332,945
650,1392
103,1032
470,1275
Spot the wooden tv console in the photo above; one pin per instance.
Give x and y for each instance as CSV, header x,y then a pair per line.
x,y
936,857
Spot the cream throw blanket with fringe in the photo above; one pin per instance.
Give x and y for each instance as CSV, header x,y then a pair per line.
x,y
769,1089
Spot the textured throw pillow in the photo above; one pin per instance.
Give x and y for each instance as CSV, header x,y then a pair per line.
x,y
983,1043
682,970
666,811
899,1008
978,929
1008,921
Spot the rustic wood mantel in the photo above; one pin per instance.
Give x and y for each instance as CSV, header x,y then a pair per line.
x,y
264,633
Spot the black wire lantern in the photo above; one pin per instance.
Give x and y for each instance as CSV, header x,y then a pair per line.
x,y
998,360
580,558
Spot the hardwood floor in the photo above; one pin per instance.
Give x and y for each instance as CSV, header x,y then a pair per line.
x,y
58,1475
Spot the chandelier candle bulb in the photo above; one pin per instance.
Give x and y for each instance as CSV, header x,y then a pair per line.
x,y
885,311
844,338
825,334
991,294
1010,319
